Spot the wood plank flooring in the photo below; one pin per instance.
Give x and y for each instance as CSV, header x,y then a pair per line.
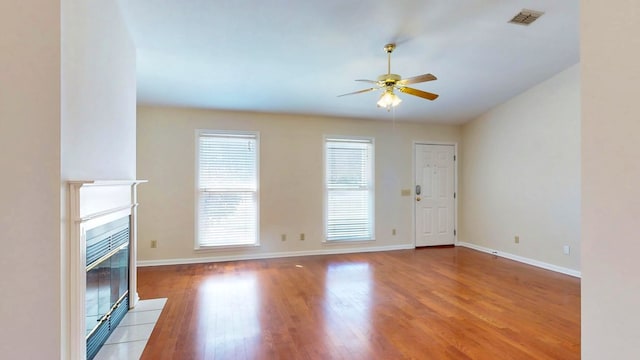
x,y
431,303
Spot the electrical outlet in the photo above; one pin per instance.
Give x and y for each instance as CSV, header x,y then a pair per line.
x,y
154,244
393,232
283,237
566,249
301,236
517,239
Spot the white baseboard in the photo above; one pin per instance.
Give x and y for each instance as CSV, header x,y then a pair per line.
x,y
258,256
522,259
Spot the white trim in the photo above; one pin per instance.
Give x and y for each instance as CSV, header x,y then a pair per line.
x,y
214,248
103,214
144,263
345,242
524,260
133,247
455,185
81,183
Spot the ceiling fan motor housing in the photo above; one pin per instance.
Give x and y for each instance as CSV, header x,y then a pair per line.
x,y
389,48
389,79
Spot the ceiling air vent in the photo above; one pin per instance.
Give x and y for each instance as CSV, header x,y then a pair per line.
x,y
526,17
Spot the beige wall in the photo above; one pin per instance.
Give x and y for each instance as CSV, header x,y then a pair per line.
x,y
520,174
610,53
29,185
291,164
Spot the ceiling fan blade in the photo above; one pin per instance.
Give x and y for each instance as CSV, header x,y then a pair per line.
x,y
358,92
417,79
368,81
418,93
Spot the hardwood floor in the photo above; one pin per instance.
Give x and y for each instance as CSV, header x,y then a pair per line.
x,y
432,303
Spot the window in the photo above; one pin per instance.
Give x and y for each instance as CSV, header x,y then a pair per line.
x,y
349,189
227,183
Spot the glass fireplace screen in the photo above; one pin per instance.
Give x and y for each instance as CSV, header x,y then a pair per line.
x,y
107,281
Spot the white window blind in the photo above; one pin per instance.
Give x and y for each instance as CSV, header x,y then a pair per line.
x,y
227,189
349,189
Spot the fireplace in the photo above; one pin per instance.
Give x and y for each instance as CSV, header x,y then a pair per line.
x,y
102,271
107,282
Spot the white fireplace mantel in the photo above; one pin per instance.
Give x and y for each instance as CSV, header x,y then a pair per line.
x,y
93,203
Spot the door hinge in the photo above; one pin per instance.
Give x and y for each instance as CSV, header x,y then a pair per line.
x,y
454,158
454,232
454,195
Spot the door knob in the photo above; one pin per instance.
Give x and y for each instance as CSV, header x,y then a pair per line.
x,y
418,198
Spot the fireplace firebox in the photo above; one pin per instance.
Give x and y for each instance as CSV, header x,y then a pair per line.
x,y
107,290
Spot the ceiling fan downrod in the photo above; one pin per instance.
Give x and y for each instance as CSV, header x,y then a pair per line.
x,y
389,49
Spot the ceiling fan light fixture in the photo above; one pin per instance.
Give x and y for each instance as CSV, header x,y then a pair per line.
x,y
388,100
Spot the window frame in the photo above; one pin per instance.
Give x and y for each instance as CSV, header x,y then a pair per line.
x,y
204,132
371,191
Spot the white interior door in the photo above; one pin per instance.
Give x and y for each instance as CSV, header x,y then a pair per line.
x,y
434,195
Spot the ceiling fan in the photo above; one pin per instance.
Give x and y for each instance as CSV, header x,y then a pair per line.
x,y
387,82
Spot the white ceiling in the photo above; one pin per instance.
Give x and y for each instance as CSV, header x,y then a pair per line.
x,y
288,56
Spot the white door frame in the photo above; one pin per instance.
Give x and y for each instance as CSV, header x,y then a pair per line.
x,y
413,187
